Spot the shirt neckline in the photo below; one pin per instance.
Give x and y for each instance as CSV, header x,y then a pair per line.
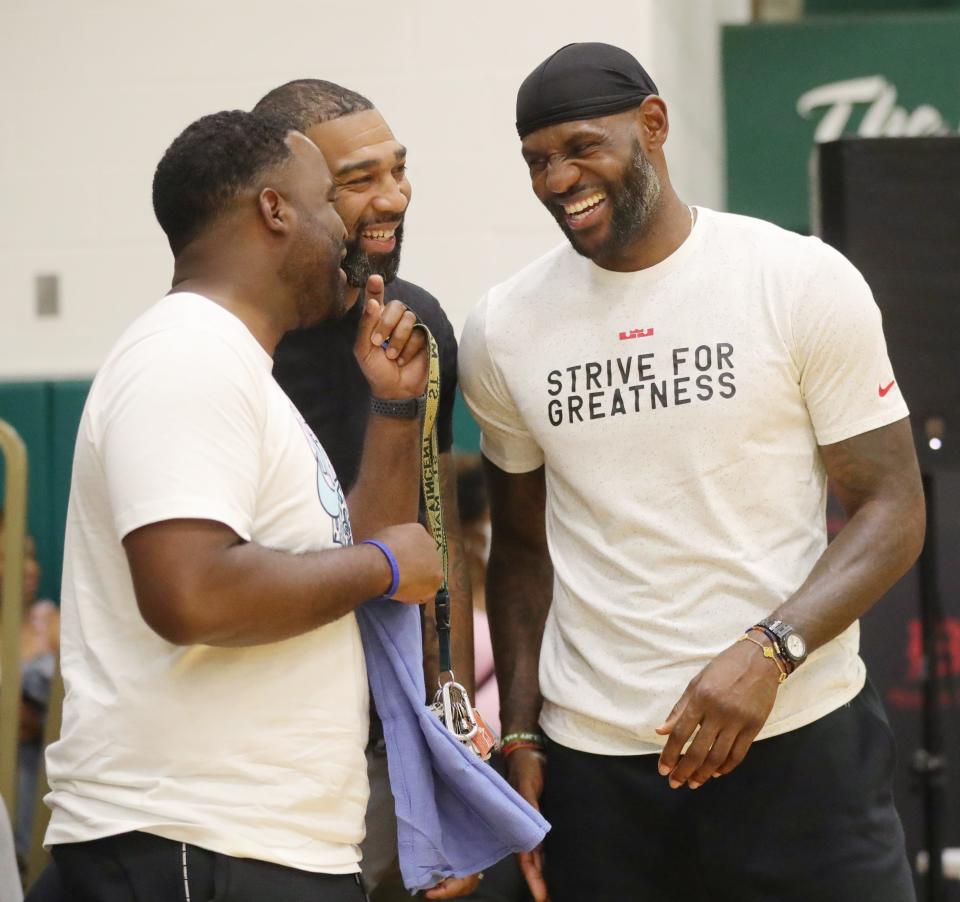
x,y
650,274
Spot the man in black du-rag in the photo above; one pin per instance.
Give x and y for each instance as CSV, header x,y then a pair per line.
x,y
662,399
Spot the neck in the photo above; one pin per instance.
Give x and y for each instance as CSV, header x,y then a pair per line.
x,y
231,282
668,229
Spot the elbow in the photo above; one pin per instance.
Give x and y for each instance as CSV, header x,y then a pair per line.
x,y
916,531
174,616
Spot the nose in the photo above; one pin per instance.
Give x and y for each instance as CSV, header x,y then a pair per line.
x,y
561,175
391,198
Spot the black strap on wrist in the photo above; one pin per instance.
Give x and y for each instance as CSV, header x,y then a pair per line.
x,y
400,408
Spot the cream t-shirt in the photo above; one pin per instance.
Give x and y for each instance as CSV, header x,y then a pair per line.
x,y
677,411
253,752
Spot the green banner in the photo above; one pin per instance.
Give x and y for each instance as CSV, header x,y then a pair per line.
x,y
789,86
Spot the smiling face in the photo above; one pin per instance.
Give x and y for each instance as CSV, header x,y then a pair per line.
x,y
597,181
372,191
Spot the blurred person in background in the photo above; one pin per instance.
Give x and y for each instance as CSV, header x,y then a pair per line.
x,y
662,399
474,508
39,648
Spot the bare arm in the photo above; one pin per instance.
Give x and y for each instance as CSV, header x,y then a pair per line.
x,y
197,582
877,480
519,591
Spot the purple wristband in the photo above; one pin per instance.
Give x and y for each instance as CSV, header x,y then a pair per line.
x,y
394,566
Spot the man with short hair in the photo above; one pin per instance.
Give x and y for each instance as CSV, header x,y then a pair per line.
x,y
216,693
658,460
316,367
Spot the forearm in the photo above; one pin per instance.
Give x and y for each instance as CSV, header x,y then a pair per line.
x,y
519,593
251,595
461,604
874,549
387,490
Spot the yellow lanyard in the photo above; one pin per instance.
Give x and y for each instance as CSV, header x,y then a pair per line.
x,y
430,473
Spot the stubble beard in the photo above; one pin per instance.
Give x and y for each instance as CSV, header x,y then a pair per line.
x,y
316,284
359,266
634,204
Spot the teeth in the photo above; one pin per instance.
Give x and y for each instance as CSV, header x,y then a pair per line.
x,y
582,205
379,236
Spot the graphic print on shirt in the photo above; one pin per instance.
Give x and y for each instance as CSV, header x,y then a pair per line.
x,y
328,487
595,390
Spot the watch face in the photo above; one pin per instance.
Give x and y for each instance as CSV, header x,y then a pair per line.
x,y
795,646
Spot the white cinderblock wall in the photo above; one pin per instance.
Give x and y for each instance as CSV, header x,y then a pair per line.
x,y
91,94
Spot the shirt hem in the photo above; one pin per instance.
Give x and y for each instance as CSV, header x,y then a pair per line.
x,y
61,834
788,724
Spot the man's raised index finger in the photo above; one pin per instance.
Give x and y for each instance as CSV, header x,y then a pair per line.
x,y
375,288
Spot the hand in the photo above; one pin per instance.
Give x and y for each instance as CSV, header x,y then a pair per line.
x,y
730,701
453,887
421,568
400,371
525,768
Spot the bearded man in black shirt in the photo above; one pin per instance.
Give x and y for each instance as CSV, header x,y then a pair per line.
x,y
317,369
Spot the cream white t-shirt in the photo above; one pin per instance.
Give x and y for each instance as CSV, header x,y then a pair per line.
x,y
677,411
253,752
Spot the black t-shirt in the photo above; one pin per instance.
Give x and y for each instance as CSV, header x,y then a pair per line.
x,y
318,371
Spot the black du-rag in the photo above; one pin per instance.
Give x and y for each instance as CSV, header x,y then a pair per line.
x,y
581,81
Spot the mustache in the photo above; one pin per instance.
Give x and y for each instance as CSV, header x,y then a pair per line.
x,y
367,223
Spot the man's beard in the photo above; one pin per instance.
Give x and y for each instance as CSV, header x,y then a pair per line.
x,y
315,279
359,266
633,205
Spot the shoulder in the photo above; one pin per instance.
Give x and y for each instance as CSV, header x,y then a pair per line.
x,y
557,262
421,302
795,265
778,244
529,293
178,345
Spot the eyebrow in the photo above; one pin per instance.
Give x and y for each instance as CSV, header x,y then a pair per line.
x,y
399,154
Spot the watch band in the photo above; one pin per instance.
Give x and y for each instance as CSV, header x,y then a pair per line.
x,y
780,634
399,408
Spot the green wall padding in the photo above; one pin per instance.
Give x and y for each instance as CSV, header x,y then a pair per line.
x,y
466,432
26,407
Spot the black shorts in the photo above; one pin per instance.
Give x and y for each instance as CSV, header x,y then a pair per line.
x,y
808,816
140,867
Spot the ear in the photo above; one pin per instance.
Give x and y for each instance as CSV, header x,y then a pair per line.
x,y
276,213
653,124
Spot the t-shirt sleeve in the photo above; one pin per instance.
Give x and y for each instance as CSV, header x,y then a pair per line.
x,y
180,433
846,378
504,439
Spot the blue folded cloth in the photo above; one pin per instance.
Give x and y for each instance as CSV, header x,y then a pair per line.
x,y
455,814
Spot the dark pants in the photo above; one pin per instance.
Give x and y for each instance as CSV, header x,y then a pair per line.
x,y
806,816
139,867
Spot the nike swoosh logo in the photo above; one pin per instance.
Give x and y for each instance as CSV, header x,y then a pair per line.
x,y
884,389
